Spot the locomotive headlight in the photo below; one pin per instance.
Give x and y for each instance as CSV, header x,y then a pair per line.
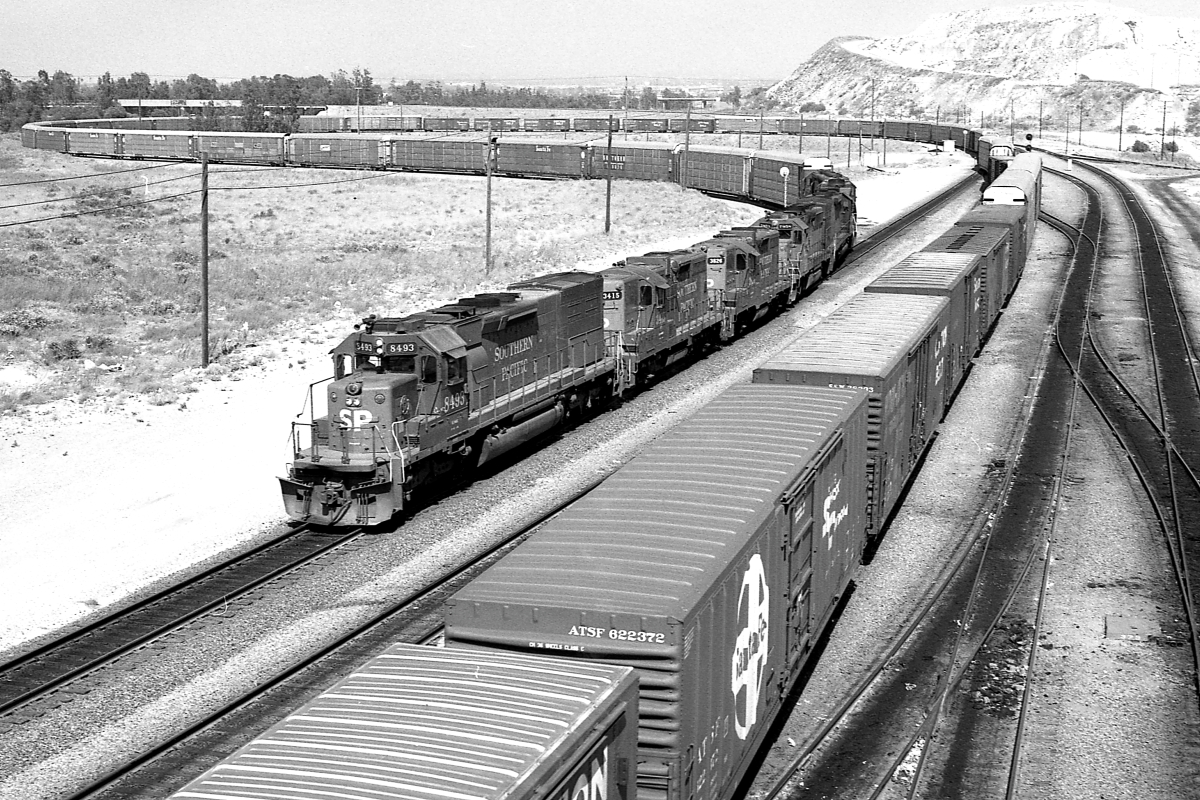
x,y
354,388
333,397
379,398
379,346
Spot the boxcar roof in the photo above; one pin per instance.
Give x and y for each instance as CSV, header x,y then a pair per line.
x,y
927,273
656,536
418,722
871,335
976,236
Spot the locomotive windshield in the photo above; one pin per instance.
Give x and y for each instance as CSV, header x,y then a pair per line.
x,y
405,365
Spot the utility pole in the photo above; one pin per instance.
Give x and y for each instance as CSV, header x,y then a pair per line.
x,y
1162,150
1121,126
761,112
687,138
608,187
1040,104
884,142
487,230
1012,122
204,259
1067,131
801,148
358,103
872,112
1081,123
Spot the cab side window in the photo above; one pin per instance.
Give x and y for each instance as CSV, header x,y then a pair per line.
x,y
456,370
429,369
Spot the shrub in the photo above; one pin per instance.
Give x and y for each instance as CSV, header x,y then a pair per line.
x,y
1140,147
64,350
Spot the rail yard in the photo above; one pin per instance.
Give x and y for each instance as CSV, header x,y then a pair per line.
x,y
1026,582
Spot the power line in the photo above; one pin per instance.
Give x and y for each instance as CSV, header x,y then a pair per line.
x,y
98,210
86,177
98,193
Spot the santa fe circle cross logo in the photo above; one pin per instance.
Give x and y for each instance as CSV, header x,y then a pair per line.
x,y
750,649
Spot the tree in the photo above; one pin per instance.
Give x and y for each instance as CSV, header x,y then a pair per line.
x,y
64,89
1140,147
106,92
811,107
8,87
733,96
649,98
1192,121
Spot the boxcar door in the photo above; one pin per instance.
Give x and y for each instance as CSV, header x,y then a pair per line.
x,y
918,370
799,551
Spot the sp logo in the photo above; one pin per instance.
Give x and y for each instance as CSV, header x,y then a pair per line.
x,y
750,649
354,418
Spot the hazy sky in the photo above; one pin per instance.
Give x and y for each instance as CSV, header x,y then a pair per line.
x,y
454,39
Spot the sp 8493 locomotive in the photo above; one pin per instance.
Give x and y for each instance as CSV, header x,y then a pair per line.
x,y
416,398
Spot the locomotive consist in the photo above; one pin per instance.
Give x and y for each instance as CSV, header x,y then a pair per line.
x,y
710,565
415,398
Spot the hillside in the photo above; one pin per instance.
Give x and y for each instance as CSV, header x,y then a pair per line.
x,y
1056,60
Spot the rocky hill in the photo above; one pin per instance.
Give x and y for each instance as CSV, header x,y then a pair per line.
x,y
1054,60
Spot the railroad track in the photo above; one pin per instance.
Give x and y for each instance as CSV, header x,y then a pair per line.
x,y
895,702
415,618
49,675
967,763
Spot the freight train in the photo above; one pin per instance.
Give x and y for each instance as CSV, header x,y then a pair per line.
x,y
769,178
414,400
710,565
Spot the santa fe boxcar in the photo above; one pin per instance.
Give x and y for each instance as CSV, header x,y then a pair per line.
x,y
711,563
894,347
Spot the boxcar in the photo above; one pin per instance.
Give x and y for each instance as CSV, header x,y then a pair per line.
x,y
892,345
424,721
940,133
720,170
710,563
644,161
549,124
338,150
440,155
595,123
447,124
499,124
993,244
163,144
49,140
549,157
646,125
768,184
745,125
992,156
1019,225
319,124
29,136
860,127
173,124
821,127
96,142
958,278
920,132
265,148
698,124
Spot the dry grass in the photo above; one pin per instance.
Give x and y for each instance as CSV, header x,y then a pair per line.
x,y
121,289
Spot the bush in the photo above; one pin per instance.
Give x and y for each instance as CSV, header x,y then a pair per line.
x,y
1140,147
64,350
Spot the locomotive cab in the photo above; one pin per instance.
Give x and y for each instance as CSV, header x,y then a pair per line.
x,y
384,386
